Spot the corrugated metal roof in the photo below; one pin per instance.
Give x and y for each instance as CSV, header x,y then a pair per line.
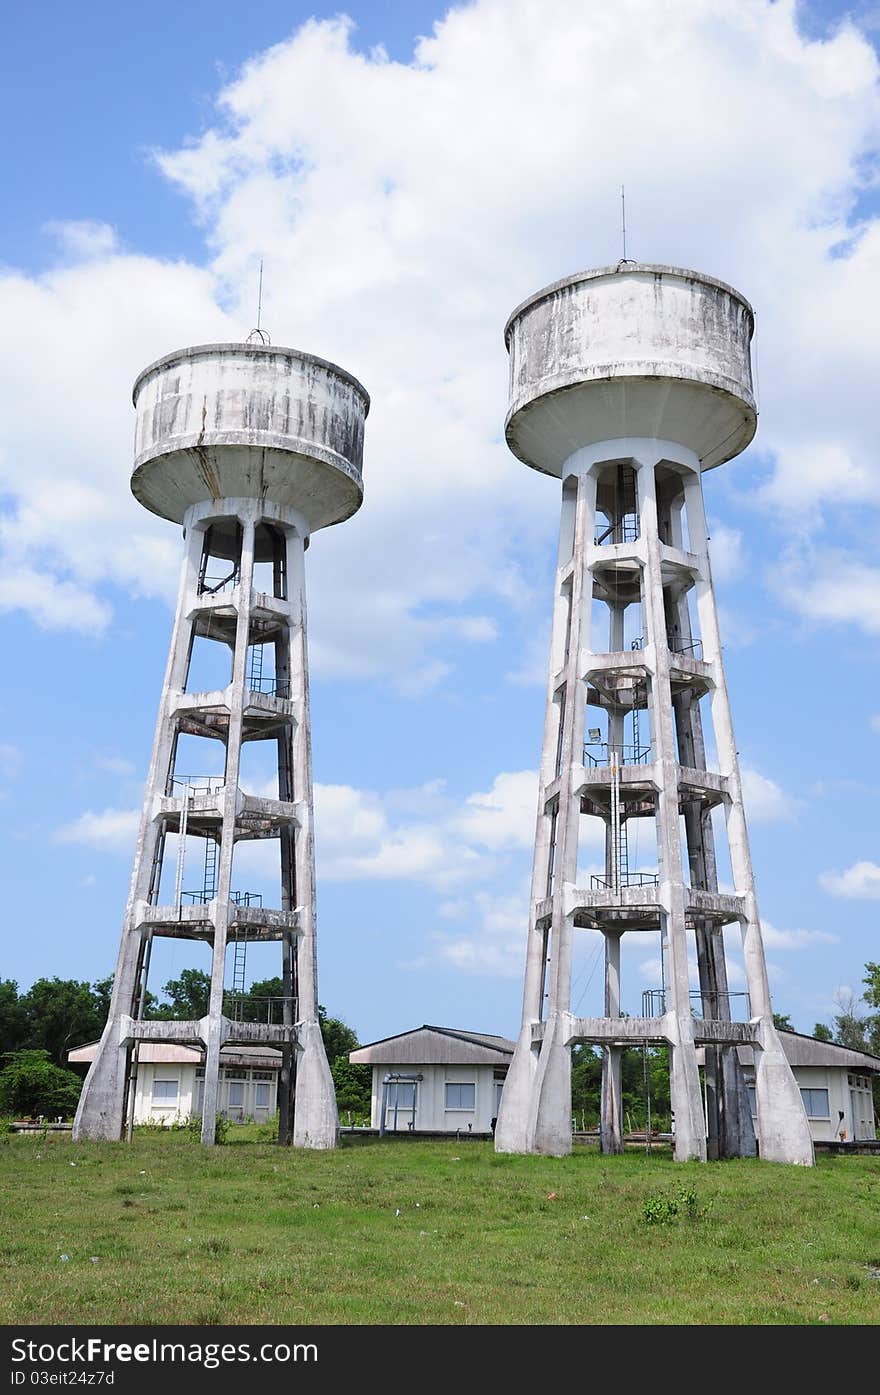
x,y
427,1045
801,1050
169,1052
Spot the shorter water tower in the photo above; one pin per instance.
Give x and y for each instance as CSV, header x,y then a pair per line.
x,y
250,448
627,383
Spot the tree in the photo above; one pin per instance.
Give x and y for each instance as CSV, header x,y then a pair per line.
x,y
782,1022
353,1085
12,1017
822,1033
189,996
849,1024
30,1085
339,1038
60,1013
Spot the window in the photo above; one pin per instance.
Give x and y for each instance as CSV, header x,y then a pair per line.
x,y
753,1101
236,1094
815,1103
262,1075
262,1096
460,1096
402,1094
165,1090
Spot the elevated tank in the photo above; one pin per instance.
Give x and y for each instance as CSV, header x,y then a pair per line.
x,y
246,421
631,351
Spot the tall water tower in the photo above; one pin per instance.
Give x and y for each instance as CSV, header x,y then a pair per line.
x,y
627,383
251,448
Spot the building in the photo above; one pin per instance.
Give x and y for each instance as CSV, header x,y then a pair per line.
x,y
170,1083
436,1080
441,1080
835,1086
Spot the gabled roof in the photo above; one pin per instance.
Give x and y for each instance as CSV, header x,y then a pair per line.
x,y
801,1050
428,1045
179,1053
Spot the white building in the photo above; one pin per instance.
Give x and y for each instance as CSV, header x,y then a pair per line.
x,y
436,1080
171,1081
835,1085
440,1080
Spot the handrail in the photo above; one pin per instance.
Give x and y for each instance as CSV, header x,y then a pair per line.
x,y
631,755
599,883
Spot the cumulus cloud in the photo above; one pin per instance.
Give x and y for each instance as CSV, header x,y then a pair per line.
x,y
765,801
494,943
111,830
860,882
402,209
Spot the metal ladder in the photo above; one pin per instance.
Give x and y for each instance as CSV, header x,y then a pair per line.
x,y
209,883
255,668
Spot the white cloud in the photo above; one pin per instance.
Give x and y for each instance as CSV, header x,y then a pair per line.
x,y
727,552
80,241
503,817
112,830
765,801
494,945
875,721
861,882
795,939
832,587
402,209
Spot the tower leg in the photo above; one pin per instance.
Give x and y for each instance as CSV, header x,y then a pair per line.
x,y
610,1126
783,1128
316,1120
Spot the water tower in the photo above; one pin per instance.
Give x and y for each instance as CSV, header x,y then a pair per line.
x,y
627,383
251,448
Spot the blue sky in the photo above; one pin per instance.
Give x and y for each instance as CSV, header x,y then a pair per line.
x,y
404,199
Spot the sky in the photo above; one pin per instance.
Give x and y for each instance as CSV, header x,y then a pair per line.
x,y
408,174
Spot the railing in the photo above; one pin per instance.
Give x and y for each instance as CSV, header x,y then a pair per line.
x,y
625,755
269,686
236,898
214,585
246,898
694,647
654,1004
627,526
196,784
245,1007
599,883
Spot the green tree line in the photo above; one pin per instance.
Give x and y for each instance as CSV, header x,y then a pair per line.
x,y
41,1025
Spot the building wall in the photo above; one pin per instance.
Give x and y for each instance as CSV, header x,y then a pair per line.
x,y
833,1092
247,1093
436,1109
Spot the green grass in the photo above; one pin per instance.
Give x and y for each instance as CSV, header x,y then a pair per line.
x,y
164,1231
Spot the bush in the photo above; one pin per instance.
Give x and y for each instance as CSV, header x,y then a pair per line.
x,y
661,1210
30,1085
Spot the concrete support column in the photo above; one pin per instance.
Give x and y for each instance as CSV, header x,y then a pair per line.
x,y
286,791
316,1122
610,1131
535,1109
783,1129
243,602
690,1141
101,1109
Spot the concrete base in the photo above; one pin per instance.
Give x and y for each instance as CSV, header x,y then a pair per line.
x,y
315,1120
513,1133
101,1109
783,1129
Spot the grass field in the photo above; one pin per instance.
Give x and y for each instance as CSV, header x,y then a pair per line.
x,y
392,1232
